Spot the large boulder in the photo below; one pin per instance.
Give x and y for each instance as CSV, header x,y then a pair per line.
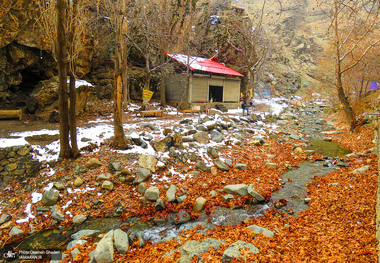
x,y
148,162
152,193
50,197
201,137
236,189
104,249
44,98
169,141
199,204
234,251
121,241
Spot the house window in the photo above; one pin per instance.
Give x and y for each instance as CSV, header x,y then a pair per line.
x,y
216,93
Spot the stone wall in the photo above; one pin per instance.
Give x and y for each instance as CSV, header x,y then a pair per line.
x,y
17,161
377,137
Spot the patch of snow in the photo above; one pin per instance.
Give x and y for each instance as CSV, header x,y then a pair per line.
x,y
48,187
36,197
81,82
28,213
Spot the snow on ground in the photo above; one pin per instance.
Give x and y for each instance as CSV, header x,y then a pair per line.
x,y
102,129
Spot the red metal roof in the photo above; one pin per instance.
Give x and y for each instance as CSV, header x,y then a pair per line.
x,y
204,64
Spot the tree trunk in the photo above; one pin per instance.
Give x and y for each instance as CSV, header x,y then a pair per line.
x,y
65,150
73,117
349,112
72,92
162,85
119,140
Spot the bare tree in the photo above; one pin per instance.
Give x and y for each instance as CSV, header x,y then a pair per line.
x,y
353,22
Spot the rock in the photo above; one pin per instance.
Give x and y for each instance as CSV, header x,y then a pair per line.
x,y
152,193
10,167
143,200
181,218
148,161
79,219
150,126
214,171
213,193
199,204
108,185
143,174
297,150
282,122
121,241
294,137
259,229
221,165
161,165
159,205
251,191
228,197
93,163
202,166
116,166
59,186
86,232
216,136
164,145
236,189
240,166
272,165
195,248
307,200
4,218
327,139
7,225
201,137
228,162
102,177
15,231
360,170
235,251
73,243
104,249
288,116
56,215
24,151
78,182
141,188
181,198
170,193
74,253
50,197
195,173
126,171
212,152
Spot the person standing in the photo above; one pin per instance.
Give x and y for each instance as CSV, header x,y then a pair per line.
x,y
244,106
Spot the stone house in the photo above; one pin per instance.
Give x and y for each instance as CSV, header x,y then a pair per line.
x,y
211,83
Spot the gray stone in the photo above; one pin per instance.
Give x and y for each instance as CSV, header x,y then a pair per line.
x,y
108,185
251,191
228,162
216,136
86,232
212,152
213,193
159,205
104,249
294,137
181,218
4,218
102,177
79,219
50,197
272,165
59,186
199,204
148,161
74,253
150,126
234,251
214,171
56,215
201,137
297,150
259,229
228,197
288,116
202,166
152,193
181,198
282,122
24,151
161,165
73,243
93,163
195,248
221,165
236,189
360,170
201,128
195,173
121,241
141,188
170,193
143,174
15,231
240,166
116,166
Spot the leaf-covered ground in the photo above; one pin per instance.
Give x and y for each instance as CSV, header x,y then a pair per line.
x,y
339,225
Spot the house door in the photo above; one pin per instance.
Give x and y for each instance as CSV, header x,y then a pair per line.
x,y
216,92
